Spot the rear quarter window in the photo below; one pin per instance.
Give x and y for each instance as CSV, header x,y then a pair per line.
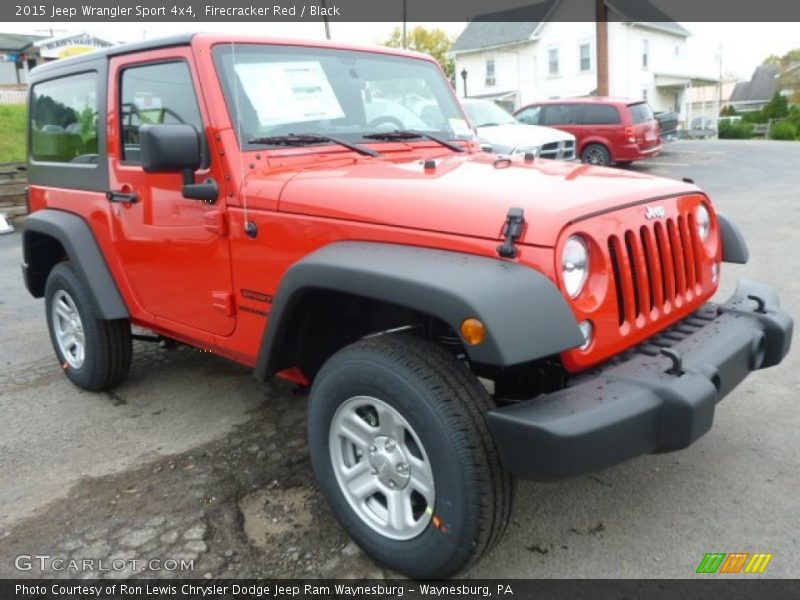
x,y
601,114
64,120
641,112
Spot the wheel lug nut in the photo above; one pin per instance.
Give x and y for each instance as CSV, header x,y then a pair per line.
x,y
392,484
390,445
373,471
373,449
402,468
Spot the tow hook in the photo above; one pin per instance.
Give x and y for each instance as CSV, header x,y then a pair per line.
x,y
677,361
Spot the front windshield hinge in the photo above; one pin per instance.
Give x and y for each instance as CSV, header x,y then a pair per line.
x,y
512,232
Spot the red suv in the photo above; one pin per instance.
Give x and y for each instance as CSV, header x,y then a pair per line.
x,y
606,129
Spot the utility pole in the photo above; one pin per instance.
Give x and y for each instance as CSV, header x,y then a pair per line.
x,y
601,30
325,19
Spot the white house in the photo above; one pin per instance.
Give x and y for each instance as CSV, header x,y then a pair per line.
x,y
515,63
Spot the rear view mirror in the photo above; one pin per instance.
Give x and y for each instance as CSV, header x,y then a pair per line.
x,y
167,148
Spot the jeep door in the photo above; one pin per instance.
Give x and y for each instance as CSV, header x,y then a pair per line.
x,y
174,251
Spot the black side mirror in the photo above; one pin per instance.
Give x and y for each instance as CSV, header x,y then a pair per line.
x,y
168,148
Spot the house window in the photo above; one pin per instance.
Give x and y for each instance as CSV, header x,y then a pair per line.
x,y
490,72
552,61
644,94
645,53
586,57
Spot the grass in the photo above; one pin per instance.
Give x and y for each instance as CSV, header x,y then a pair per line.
x,y
13,119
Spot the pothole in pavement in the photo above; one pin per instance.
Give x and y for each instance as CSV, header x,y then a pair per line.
x,y
241,506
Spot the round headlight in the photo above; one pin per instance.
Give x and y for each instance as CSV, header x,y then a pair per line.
x,y
574,265
703,222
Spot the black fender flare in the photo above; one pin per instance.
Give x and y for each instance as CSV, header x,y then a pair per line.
x,y
526,316
77,239
734,246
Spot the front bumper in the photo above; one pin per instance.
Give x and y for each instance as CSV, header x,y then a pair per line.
x,y
646,401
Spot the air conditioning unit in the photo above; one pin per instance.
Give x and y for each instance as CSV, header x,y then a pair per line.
x,y
490,81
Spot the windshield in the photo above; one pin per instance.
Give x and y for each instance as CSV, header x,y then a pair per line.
x,y
283,90
484,114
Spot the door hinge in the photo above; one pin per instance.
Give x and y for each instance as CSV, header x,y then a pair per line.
x,y
216,222
223,301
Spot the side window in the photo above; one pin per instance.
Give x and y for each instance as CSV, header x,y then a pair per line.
x,y
154,94
530,115
64,120
600,114
561,114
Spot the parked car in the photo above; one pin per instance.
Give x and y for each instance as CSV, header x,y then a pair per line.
x,y
501,133
667,125
256,214
607,129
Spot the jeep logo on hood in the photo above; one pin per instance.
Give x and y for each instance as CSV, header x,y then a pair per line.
x,y
654,212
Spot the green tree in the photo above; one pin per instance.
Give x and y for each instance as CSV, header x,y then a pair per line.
x,y
791,57
430,41
778,107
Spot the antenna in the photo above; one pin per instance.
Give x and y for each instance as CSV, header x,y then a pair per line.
x,y
249,228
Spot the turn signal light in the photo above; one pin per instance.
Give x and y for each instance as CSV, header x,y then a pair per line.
x,y
473,331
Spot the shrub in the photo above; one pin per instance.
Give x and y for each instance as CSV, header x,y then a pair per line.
x,y
784,130
736,130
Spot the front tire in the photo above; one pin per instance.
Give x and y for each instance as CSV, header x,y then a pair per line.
x,y
95,354
596,154
402,451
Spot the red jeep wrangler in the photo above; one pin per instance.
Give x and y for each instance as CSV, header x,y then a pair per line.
x,y
324,214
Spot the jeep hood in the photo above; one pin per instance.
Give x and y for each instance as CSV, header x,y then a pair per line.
x,y
467,195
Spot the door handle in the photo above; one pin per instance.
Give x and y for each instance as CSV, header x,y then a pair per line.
x,y
123,197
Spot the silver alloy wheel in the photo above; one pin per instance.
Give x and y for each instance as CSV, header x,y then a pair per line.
x,y
595,156
381,467
68,329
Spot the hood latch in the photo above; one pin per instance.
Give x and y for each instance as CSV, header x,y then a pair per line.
x,y
512,231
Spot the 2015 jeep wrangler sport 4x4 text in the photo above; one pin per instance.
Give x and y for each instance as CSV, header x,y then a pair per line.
x,y
324,214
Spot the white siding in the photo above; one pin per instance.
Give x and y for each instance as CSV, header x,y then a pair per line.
x,y
523,69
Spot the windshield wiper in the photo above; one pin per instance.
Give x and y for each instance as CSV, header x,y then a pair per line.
x,y
307,139
411,134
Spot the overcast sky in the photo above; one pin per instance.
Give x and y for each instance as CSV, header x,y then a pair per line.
x,y
744,45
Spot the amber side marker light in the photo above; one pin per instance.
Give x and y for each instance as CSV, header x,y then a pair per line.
x,y
473,331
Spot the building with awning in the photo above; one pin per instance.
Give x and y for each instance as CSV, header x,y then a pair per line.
x,y
18,54
558,57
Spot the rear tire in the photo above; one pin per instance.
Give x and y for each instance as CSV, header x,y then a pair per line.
x,y
94,353
596,154
434,410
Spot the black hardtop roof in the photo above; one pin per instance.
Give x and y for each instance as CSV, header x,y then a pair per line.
x,y
76,62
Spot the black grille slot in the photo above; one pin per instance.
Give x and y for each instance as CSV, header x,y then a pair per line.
x,y
663,257
644,236
615,267
633,260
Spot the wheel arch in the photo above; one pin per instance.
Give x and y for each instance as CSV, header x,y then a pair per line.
x,y
526,317
588,141
51,236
